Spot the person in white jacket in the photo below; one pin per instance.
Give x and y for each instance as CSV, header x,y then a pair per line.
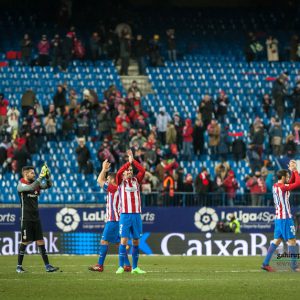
x,y
272,49
161,123
13,118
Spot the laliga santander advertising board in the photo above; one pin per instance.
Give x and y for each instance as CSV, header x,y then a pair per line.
x,y
167,231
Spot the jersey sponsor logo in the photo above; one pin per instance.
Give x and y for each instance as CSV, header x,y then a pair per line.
x,y
67,219
206,219
131,189
32,195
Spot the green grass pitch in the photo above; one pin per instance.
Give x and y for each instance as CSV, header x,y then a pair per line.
x,y
175,277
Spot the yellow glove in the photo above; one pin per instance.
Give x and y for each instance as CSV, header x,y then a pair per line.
x,y
43,172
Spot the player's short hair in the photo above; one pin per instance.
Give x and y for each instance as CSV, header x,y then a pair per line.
x,y
112,175
27,168
282,173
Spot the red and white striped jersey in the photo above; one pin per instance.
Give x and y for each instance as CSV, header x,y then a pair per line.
x,y
113,204
129,189
281,195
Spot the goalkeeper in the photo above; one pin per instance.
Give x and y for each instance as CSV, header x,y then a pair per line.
x,y
31,229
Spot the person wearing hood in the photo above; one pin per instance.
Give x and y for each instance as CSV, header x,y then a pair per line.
x,y
187,134
230,185
162,121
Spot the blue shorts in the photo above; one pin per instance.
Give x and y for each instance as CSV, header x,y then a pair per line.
x,y
131,226
111,232
284,229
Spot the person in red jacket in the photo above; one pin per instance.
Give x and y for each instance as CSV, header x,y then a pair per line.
x,y
230,185
187,135
258,188
3,109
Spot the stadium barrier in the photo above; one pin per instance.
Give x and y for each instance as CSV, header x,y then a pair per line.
x,y
153,199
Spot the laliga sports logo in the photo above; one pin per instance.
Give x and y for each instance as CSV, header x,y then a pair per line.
x,y
67,219
206,219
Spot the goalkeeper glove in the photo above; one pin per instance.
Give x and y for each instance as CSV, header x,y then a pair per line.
x,y
43,172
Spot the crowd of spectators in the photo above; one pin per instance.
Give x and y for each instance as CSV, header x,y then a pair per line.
x,y
258,49
118,45
159,142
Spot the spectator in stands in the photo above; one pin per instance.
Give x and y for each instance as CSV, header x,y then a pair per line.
x,y
238,149
230,185
296,131
122,125
296,101
140,53
198,137
171,45
202,185
20,156
27,102
83,155
112,46
257,187
223,147
154,52
60,100
138,140
50,123
214,132
171,134
294,46
272,49
187,133
254,158
26,50
135,90
68,123
267,105
257,134
67,50
95,46
279,92
83,122
162,120
104,120
13,118
125,52
56,51
73,100
3,109
188,184
136,112
39,133
222,169
178,123
206,108
253,48
275,133
43,50
222,104
290,148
